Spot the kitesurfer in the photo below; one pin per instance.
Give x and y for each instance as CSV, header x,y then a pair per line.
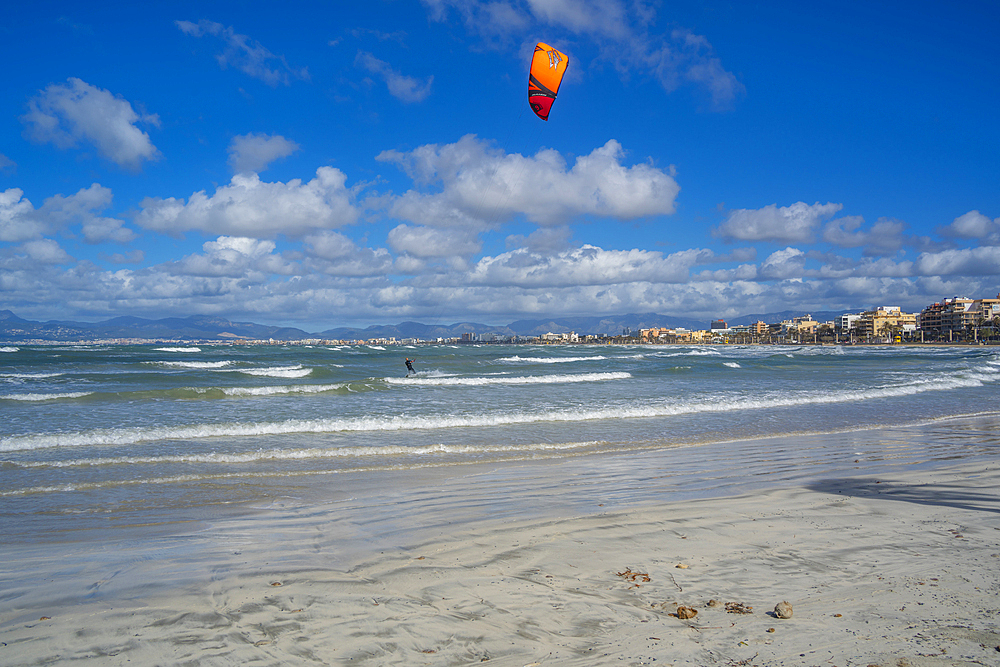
x,y
409,368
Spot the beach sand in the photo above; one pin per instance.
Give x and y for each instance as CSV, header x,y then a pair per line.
x,y
898,567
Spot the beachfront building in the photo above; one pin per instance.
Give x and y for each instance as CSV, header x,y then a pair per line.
x,y
550,337
655,335
886,322
958,317
799,329
848,321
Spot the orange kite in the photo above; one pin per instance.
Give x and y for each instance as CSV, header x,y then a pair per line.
x,y
547,69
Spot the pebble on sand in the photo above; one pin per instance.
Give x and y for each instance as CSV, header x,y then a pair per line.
x,y
783,610
714,603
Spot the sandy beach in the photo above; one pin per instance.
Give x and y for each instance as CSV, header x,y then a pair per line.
x,y
895,563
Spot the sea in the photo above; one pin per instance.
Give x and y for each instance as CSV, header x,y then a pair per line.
x,y
93,436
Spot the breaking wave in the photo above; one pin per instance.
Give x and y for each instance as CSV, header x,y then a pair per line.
x,y
193,364
502,380
45,397
548,360
277,371
127,436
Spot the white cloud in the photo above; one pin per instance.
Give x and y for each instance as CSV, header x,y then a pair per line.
x,y
886,236
783,264
17,220
65,115
974,225
234,257
587,265
330,245
46,251
333,276
982,261
404,88
601,17
83,207
7,165
487,187
789,224
254,208
427,242
334,254
246,54
544,240
254,152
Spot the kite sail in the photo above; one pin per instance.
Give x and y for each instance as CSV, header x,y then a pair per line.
x,y
547,68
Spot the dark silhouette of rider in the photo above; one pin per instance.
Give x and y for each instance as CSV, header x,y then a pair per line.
x,y
409,367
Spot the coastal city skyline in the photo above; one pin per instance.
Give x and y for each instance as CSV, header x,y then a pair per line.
x,y
347,164
956,319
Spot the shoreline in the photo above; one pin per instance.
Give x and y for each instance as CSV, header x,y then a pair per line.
x,y
518,564
530,342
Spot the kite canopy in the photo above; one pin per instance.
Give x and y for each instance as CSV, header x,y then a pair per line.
x,y
547,69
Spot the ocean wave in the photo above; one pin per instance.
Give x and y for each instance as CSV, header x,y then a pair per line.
x,y
731,364
366,452
499,379
376,347
193,364
714,404
29,376
708,352
45,397
177,349
548,360
9,349
279,390
296,371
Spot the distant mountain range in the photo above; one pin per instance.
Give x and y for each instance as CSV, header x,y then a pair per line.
x,y
202,327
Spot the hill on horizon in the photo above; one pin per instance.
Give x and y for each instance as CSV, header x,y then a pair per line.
x,y
205,327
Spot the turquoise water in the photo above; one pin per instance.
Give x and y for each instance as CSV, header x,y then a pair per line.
x,y
138,433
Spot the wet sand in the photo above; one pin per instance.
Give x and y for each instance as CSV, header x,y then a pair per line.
x,y
883,565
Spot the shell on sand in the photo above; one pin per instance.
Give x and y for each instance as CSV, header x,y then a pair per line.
x,y
686,612
714,603
681,566
783,610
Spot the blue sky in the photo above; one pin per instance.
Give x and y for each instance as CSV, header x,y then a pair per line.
x,y
340,163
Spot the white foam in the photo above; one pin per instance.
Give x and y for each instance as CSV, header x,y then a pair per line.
x,y
375,347
9,349
277,391
493,380
45,397
194,364
731,364
177,349
277,371
548,360
708,352
407,422
30,376
384,451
